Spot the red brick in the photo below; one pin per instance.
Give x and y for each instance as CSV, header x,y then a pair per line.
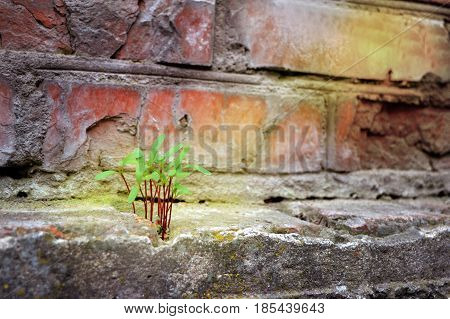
x,y
34,25
245,116
99,28
212,123
49,13
76,112
202,111
328,37
225,131
54,139
370,135
7,121
297,142
157,116
173,32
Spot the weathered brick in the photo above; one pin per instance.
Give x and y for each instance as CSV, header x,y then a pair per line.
x,y
83,109
7,120
200,113
99,27
157,116
173,32
226,131
54,139
336,39
220,128
34,25
49,13
368,135
297,142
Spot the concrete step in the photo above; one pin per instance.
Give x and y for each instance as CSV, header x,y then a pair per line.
x,y
290,249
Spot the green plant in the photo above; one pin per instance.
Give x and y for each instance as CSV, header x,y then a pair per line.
x,y
157,179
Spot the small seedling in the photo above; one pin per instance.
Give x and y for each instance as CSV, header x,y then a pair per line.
x,y
157,178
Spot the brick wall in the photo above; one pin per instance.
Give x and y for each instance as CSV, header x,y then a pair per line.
x,y
286,98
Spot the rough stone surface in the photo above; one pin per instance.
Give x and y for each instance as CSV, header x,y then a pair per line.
x,y
7,121
87,108
240,132
246,187
375,218
249,252
172,32
381,135
34,25
332,39
99,27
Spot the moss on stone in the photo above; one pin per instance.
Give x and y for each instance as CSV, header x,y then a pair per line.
x,y
222,236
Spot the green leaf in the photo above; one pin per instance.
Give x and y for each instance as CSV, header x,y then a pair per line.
x,y
181,156
182,190
173,150
201,169
133,194
163,178
153,176
104,175
155,147
182,175
172,172
131,158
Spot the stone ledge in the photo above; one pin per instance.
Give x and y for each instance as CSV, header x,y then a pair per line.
x,y
227,251
371,217
250,188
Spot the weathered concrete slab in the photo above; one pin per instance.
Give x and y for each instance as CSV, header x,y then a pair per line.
x,y
370,217
251,188
215,251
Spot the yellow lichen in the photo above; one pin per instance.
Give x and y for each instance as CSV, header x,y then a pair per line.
x,y
221,237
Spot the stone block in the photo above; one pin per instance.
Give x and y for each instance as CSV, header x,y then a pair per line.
x,y
370,135
337,39
98,27
173,32
34,25
82,108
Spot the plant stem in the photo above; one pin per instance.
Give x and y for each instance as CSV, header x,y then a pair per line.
x,y
159,203
151,201
170,210
145,202
128,189
164,209
168,203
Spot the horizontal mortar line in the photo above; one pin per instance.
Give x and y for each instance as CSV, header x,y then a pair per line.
x,y
291,89
419,8
122,67
56,62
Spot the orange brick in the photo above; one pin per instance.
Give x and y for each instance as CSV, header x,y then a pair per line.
x,y
157,116
296,143
83,107
328,37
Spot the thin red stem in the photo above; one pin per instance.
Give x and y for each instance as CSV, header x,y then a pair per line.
x,y
128,189
145,202
159,203
151,201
